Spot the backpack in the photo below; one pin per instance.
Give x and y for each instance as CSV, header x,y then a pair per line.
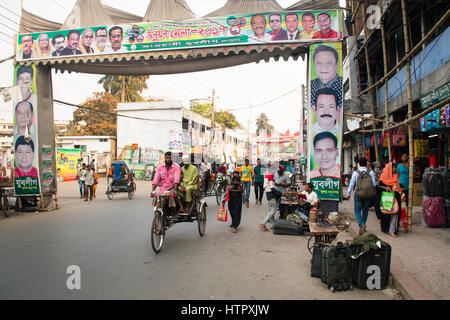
x,y
364,185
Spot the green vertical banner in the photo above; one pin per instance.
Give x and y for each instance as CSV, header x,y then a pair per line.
x,y
25,137
325,119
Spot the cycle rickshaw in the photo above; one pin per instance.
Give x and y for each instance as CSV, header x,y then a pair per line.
x,y
120,180
216,186
165,216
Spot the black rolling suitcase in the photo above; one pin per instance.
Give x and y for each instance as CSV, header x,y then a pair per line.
x,y
337,267
367,262
316,262
433,182
288,228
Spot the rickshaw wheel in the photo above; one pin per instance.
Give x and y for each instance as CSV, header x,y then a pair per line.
x,y
158,232
201,220
131,190
218,193
109,193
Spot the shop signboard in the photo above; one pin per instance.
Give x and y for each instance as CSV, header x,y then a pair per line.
x,y
242,29
436,96
326,119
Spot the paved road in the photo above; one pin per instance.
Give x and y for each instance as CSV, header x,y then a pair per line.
x,y
110,242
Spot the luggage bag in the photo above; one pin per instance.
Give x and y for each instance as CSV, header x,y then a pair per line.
x,y
373,257
316,262
433,211
288,228
337,267
432,183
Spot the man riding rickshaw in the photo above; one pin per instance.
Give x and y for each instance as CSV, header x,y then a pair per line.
x,y
122,179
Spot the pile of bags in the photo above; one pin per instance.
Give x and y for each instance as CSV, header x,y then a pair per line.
x,y
364,262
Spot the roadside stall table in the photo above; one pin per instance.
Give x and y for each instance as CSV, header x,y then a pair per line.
x,y
323,234
290,202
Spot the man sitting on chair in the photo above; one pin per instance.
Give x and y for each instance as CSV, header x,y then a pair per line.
x,y
189,183
308,199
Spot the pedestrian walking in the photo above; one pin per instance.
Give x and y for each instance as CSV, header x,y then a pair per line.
x,y
95,181
259,181
271,198
389,181
247,180
90,180
363,182
403,175
81,181
234,198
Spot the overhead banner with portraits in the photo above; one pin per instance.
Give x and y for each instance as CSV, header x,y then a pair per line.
x,y
261,28
325,119
25,137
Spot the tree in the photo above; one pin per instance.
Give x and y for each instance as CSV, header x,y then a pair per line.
x,y
224,118
125,88
96,117
262,122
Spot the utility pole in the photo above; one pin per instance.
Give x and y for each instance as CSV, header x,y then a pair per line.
x,y
212,108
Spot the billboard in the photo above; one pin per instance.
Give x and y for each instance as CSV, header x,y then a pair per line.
x,y
325,119
25,137
67,161
259,28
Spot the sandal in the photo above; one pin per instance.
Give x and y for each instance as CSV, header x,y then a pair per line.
x,y
234,230
393,235
263,227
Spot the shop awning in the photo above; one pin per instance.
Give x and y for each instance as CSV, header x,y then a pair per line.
x,y
175,61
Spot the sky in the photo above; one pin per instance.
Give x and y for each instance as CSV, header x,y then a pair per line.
x,y
278,83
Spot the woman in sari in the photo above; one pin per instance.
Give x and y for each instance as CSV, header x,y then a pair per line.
x,y
389,182
234,198
42,46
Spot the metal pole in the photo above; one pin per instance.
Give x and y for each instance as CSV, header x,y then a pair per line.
x,y
386,107
410,131
369,83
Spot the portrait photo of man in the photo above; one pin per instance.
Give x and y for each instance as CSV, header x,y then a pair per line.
x,y
27,47
73,39
327,112
25,119
24,157
326,153
115,38
277,33
324,23
326,65
291,20
25,81
308,23
58,42
258,24
87,37
101,35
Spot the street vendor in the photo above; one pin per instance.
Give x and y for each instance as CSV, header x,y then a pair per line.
x,y
309,201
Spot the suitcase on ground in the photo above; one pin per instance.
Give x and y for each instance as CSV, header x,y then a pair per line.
x,y
337,267
433,183
433,211
288,228
363,262
316,262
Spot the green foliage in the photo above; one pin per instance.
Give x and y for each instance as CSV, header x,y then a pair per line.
x,y
125,88
88,122
263,122
224,118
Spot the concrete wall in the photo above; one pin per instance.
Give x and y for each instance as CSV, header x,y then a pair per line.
x,y
166,116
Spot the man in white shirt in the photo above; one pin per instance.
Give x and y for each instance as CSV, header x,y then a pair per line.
x,y
311,201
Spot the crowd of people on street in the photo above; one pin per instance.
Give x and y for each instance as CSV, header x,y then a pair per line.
x,y
273,179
